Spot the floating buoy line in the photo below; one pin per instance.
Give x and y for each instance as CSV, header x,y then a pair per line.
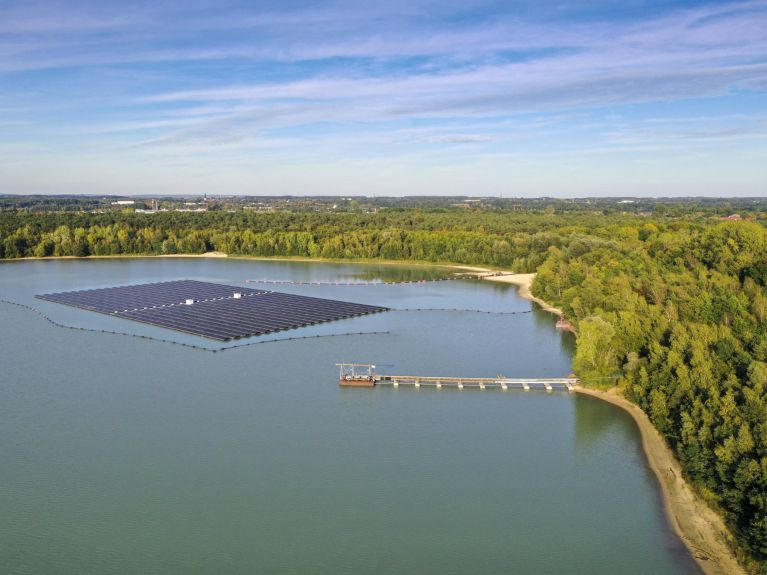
x,y
259,342
188,345
379,283
357,283
461,310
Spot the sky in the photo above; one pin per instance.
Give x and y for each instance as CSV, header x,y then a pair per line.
x,y
403,97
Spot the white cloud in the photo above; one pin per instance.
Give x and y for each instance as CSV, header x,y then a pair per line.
x,y
384,81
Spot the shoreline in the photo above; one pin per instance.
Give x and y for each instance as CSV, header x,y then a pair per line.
x,y
699,527
375,261
114,256
525,283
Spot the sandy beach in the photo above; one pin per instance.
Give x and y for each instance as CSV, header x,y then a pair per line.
x,y
702,530
523,281
118,256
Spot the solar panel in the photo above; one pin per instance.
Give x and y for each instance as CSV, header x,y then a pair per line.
x,y
215,311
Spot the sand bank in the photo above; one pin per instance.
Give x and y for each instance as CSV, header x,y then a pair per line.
x,y
702,530
523,281
205,255
116,256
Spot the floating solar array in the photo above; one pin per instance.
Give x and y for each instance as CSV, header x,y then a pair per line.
x,y
211,310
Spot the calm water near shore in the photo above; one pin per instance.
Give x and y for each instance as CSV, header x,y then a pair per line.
x,y
129,455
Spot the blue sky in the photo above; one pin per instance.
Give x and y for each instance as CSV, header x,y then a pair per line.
x,y
414,97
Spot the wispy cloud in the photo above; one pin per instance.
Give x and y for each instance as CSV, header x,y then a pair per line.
x,y
461,139
703,52
393,80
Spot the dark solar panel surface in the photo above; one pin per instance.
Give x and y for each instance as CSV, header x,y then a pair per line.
x,y
123,298
215,313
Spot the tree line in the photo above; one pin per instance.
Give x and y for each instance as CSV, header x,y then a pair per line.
x,y
676,317
470,238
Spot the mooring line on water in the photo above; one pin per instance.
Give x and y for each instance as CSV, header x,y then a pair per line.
x,y
459,309
181,344
274,340
369,284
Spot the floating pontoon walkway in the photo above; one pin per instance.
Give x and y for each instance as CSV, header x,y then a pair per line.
x,y
364,375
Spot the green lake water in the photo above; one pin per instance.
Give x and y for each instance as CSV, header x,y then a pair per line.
x,y
131,455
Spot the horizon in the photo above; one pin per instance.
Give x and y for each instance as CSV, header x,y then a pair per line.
x,y
638,100
638,200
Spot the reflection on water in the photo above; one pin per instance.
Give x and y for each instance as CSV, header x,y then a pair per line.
x,y
384,273
596,419
310,271
597,424
547,320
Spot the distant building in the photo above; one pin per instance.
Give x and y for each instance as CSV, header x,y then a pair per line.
x,y
123,203
733,218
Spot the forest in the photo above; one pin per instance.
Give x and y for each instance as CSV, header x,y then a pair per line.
x,y
670,305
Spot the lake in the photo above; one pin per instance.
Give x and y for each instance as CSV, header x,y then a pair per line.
x,y
131,455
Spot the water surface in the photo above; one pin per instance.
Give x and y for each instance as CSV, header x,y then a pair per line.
x,y
128,455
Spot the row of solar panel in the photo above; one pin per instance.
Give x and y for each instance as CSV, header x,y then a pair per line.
x,y
113,305
221,316
236,318
213,332
111,300
230,314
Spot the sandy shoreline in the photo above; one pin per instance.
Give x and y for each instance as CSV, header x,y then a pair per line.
x,y
702,530
523,281
117,256
375,261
